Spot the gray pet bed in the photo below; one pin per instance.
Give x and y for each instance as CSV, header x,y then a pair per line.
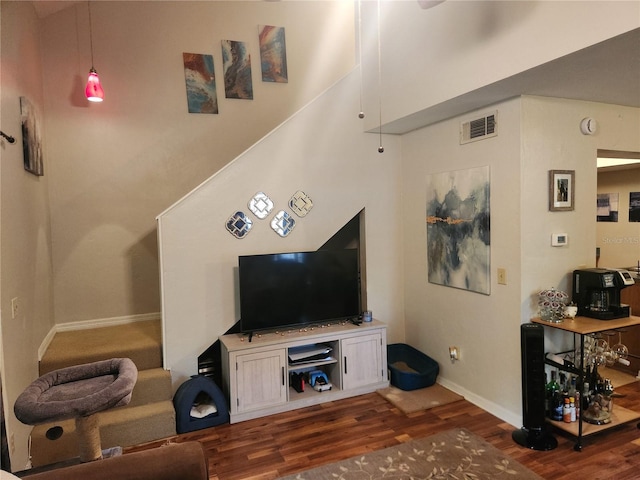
x,y
79,392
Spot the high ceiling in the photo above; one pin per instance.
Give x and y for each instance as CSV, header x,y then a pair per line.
x,y
608,72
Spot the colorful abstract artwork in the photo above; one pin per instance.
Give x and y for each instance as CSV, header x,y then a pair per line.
x,y
458,229
31,140
273,54
201,83
236,66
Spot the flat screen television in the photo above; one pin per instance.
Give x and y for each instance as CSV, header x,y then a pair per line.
x,y
296,289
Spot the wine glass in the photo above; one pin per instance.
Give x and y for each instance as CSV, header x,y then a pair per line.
x,y
600,348
610,355
620,349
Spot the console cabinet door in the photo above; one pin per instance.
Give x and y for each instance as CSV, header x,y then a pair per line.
x,y
261,380
361,361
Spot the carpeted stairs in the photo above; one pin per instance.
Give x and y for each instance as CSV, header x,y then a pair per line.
x,y
150,414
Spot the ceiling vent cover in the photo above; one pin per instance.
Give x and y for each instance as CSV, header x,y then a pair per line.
x,y
479,128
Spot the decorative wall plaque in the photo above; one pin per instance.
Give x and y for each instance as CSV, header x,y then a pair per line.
x,y
283,223
239,225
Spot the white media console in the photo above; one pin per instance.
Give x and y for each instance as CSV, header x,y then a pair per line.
x,y
257,374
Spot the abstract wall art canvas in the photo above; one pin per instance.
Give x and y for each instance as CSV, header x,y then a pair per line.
x,y
607,207
236,66
31,141
200,80
634,206
458,229
273,54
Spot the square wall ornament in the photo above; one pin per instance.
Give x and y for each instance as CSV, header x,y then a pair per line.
x,y
261,205
239,225
283,223
300,203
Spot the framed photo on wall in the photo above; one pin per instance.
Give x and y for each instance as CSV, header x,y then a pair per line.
x,y
561,190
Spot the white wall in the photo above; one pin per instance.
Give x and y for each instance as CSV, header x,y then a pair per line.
x,y
114,166
535,135
322,151
25,240
553,141
483,327
435,55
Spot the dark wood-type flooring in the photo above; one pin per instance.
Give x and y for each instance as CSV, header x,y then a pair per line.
x,y
278,445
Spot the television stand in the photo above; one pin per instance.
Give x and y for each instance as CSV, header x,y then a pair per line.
x,y
259,379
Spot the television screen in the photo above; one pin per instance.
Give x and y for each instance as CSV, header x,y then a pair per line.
x,y
294,289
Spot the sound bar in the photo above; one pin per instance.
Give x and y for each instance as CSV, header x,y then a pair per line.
x,y
533,434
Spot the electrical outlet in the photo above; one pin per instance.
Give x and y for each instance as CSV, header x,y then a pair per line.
x,y
14,307
502,276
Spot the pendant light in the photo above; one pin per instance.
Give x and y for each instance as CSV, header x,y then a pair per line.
x,y
380,147
93,91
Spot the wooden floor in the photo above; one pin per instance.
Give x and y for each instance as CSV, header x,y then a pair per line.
x,y
282,444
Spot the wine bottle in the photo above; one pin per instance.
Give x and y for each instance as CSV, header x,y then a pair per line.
x,y
551,389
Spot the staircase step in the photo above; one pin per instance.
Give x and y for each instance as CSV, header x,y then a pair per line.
x,y
123,426
139,341
153,385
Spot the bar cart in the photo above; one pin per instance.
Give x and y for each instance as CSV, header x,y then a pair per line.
x,y
584,326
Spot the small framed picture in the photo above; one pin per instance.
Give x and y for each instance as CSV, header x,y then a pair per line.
x,y
561,190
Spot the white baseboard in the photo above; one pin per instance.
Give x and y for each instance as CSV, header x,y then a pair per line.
x,y
46,341
95,323
491,407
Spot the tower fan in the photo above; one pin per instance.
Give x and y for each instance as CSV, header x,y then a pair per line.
x,y
533,434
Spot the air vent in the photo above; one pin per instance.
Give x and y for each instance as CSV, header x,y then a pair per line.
x,y
479,128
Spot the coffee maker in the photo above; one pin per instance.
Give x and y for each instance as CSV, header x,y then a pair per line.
x,y
596,292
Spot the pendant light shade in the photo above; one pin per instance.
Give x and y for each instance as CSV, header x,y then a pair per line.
x,y
94,91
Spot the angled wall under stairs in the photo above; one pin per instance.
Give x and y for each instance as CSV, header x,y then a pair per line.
x,y
149,416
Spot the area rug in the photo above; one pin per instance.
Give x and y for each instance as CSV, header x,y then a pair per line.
x,y
422,399
453,454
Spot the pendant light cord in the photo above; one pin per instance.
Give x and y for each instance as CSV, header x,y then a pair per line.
x,y
90,31
361,114
380,147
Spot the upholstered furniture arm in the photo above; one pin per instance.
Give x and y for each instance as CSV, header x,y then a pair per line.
x,y
183,461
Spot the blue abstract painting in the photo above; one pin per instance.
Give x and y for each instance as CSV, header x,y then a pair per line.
x,y
236,66
201,83
458,229
273,54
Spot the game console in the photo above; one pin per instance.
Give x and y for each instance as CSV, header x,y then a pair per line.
x,y
316,375
297,381
319,381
